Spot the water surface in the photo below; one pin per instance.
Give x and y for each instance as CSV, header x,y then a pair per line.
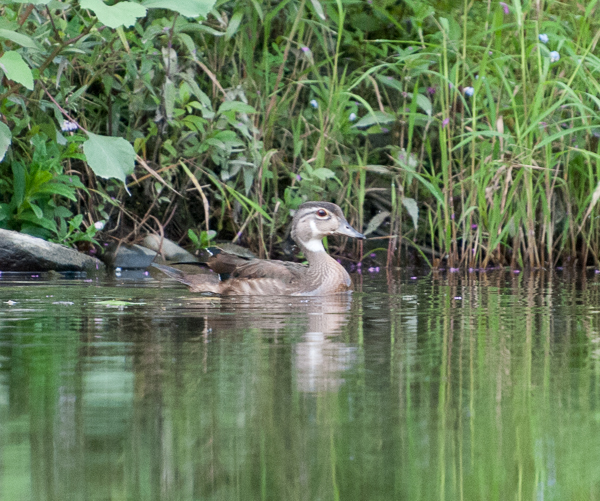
x,y
434,386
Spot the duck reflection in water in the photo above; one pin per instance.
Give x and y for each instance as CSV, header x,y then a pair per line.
x,y
319,357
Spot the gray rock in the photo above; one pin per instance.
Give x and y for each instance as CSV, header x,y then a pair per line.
x,y
170,250
129,257
20,252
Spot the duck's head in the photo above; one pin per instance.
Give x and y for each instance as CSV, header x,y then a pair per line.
x,y
315,220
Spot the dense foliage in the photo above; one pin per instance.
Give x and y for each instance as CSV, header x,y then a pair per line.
x,y
467,134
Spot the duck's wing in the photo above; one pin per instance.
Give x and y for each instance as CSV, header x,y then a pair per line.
x,y
283,271
257,277
199,282
231,266
225,263
221,261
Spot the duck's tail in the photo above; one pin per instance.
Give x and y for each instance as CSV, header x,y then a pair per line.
x,y
199,282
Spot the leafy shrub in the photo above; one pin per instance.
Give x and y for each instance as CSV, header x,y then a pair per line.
x,y
32,196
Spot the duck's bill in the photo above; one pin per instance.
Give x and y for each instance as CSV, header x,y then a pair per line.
x,y
346,229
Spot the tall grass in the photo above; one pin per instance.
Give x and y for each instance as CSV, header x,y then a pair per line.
x,y
467,113
517,143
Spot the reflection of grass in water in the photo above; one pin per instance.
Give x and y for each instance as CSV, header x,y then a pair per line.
x,y
501,402
493,396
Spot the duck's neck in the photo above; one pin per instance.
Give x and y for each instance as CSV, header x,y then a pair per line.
x,y
314,252
320,264
319,260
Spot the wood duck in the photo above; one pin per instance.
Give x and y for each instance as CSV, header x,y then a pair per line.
x,y
323,275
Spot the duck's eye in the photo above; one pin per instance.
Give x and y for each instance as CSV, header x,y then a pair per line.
x,y
321,213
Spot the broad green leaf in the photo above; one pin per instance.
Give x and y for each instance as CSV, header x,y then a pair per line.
x,y
38,179
323,173
202,97
62,228
78,93
207,236
189,43
390,82
5,140
58,189
376,221
228,136
413,210
36,210
76,221
121,34
379,169
187,8
248,179
376,117
445,24
424,103
234,24
13,66
61,211
169,95
318,9
201,28
211,141
49,224
258,9
109,156
113,16
236,106
194,123
71,181
18,183
193,237
18,38
434,190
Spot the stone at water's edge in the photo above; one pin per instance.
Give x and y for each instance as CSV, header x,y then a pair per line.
x,y
20,252
170,250
130,257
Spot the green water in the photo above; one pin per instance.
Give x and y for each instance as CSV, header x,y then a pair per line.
x,y
429,388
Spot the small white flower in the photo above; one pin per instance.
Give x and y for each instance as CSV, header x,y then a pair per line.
x,y
99,225
543,38
68,126
314,104
554,56
469,91
352,117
